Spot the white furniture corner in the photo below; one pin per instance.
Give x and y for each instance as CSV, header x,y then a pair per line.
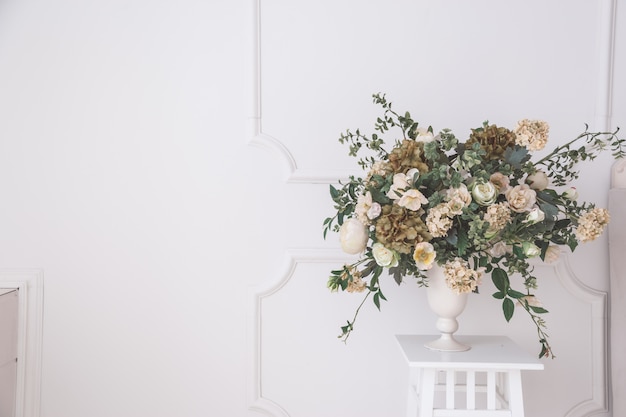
x,y
484,381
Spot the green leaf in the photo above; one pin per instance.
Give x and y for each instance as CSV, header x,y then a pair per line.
x,y
377,300
538,310
516,156
508,308
462,242
500,279
549,210
515,294
334,193
499,295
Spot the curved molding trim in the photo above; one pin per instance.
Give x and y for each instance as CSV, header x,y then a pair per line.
x,y
618,174
254,133
256,136
255,300
29,282
599,352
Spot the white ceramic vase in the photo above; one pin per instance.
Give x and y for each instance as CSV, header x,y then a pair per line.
x,y
447,305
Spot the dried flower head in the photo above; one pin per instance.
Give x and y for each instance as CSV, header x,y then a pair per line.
x,y
592,224
400,229
410,154
533,134
493,140
460,277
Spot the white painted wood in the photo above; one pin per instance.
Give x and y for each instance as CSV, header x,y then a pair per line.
x,y
497,356
8,351
617,249
28,285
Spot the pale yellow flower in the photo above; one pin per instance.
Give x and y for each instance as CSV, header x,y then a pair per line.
x,y
412,200
424,255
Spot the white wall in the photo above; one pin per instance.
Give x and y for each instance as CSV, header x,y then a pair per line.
x,y
129,175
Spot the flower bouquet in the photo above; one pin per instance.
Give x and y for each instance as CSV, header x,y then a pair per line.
x,y
478,207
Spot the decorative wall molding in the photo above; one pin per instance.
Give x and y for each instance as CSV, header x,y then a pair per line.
x,y
29,282
256,137
599,340
605,47
618,174
255,300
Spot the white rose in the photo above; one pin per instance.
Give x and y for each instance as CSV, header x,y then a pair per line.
x,y
383,256
535,216
530,249
484,193
538,180
521,198
353,236
571,194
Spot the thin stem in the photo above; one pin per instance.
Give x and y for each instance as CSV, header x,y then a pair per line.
x,y
351,323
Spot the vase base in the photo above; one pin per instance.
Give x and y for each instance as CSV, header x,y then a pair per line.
x,y
447,343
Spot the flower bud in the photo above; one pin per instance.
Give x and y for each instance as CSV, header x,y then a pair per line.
x,y
538,180
571,194
535,216
353,236
530,249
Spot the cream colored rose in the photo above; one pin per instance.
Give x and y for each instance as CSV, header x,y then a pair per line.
x,y
412,200
484,193
462,193
353,236
521,198
383,256
399,185
424,255
456,205
538,180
